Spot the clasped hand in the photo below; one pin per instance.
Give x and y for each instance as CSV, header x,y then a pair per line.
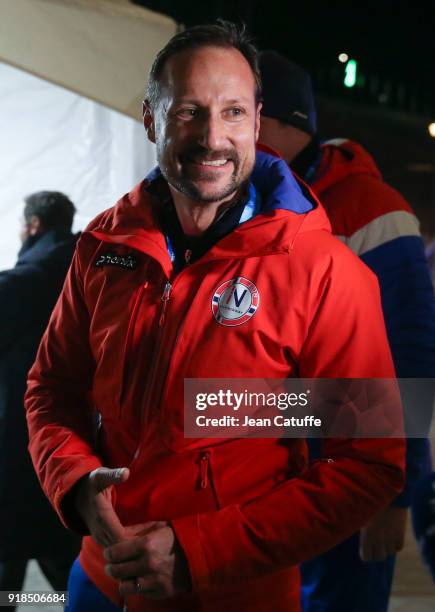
x,y
145,558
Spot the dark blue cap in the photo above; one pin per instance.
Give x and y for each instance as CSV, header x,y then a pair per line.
x,y
287,92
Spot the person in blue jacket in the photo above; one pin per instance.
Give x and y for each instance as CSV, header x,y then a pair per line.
x,y
377,223
30,528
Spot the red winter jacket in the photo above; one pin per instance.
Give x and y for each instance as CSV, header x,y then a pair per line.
x,y
245,511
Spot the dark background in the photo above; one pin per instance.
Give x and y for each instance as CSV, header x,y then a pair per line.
x,y
389,109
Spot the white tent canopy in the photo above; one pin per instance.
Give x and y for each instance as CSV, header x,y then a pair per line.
x,y
100,49
72,75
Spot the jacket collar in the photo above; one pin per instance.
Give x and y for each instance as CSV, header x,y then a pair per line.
x,y
36,248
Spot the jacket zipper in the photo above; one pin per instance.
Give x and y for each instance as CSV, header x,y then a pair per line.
x,y
203,469
165,298
206,477
155,363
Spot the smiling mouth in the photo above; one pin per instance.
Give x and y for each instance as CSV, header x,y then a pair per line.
x,y
209,164
214,162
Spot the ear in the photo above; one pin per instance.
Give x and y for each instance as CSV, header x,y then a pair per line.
x,y
35,226
257,120
148,121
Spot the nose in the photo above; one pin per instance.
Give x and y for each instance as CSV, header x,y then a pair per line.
x,y
212,132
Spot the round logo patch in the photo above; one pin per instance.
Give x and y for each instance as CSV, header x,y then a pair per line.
x,y
235,301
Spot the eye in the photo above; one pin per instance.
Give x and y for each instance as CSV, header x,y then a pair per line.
x,y
186,113
235,113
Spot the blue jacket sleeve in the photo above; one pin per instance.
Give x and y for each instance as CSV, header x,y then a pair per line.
x,y
423,519
409,312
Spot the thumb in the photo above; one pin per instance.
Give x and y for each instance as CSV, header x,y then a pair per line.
x,y
144,528
102,478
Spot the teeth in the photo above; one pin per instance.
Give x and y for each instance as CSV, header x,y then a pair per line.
x,y
214,162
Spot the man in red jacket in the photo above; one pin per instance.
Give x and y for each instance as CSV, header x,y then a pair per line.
x,y
375,221
183,279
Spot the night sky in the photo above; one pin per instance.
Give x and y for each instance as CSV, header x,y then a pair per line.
x,y
394,40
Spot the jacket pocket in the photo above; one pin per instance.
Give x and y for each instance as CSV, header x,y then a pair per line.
x,y
244,469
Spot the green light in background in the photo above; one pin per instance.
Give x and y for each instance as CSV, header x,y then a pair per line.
x,y
350,73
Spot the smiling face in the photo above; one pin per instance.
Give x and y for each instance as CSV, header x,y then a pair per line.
x,y
206,123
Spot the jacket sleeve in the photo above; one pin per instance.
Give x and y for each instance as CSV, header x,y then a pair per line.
x,y
20,287
392,247
58,399
336,495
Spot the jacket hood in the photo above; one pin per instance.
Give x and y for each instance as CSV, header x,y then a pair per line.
x,y
282,198
343,158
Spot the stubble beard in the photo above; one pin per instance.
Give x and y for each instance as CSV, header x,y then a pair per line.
x,y
194,192
188,187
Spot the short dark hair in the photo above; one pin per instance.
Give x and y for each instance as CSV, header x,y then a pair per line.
x,y
53,208
220,34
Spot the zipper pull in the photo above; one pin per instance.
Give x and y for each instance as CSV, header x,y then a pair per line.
x,y
165,298
187,256
203,470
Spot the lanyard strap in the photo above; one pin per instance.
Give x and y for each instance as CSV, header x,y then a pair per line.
x,y
251,208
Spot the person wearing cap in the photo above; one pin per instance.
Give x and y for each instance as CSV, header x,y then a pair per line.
x,y
373,220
